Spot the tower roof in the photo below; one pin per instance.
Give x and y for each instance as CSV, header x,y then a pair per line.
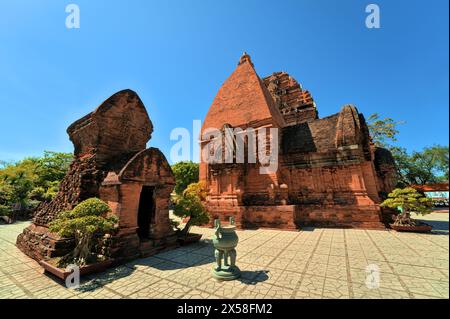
x,y
120,124
243,101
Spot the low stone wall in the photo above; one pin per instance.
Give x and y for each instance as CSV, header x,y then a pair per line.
x,y
368,217
290,217
280,217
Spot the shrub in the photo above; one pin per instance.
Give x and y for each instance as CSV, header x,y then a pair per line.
x,y
185,173
83,222
408,200
190,204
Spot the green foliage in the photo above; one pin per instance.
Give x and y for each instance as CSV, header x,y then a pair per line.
x,y
52,167
52,190
69,225
190,204
436,159
91,207
37,193
17,182
43,195
428,166
5,210
6,193
185,173
382,130
421,167
83,222
409,200
32,180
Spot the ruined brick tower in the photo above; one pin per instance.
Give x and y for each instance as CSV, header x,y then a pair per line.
x,y
329,173
112,162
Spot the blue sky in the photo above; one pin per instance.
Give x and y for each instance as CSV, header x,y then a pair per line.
x,y
176,54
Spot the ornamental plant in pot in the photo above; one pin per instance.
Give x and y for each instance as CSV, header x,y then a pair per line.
x,y
189,206
408,200
89,225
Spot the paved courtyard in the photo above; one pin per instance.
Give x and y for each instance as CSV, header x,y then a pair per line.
x,y
311,263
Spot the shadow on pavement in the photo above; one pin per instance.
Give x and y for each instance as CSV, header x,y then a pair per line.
x,y
440,227
95,281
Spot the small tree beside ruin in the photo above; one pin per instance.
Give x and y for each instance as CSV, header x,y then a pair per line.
x,y
87,220
408,200
190,204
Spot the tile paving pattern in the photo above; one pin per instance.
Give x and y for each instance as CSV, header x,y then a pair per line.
x,y
311,263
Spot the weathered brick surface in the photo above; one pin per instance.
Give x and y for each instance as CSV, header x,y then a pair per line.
x,y
112,163
295,104
329,171
243,100
81,182
39,243
118,126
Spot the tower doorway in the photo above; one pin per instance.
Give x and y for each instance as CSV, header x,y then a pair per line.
x,y
146,212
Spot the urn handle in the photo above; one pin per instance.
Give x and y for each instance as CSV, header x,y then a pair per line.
x,y
217,227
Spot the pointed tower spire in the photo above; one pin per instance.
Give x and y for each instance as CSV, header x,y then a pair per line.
x,y
245,58
243,100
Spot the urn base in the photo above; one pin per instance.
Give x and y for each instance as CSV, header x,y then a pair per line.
x,y
226,273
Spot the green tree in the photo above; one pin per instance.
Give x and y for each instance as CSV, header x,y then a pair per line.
x,y
185,174
87,219
427,166
32,179
382,131
19,183
407,200
52,167
435,160
5,199
190,204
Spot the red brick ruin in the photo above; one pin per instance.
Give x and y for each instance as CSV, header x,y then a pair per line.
x,y
112,162
329,172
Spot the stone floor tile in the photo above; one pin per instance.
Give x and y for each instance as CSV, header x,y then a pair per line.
x,y
316,269
312,285
297,266
255,292
280,262
311,263
197,294
13,292
336,289
277,292
100,293
361,291
225,289
287,279
128,286
425,287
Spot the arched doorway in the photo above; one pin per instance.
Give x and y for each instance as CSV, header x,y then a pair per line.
x,y
146,212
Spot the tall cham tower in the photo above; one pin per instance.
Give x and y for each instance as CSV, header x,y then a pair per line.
x,y
327,172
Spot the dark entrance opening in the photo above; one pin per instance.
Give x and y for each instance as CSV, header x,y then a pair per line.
x,y
146,212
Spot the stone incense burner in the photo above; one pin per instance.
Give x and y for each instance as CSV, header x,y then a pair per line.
x,y
225,241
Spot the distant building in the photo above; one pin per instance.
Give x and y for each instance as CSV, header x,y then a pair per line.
x,y
439,192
